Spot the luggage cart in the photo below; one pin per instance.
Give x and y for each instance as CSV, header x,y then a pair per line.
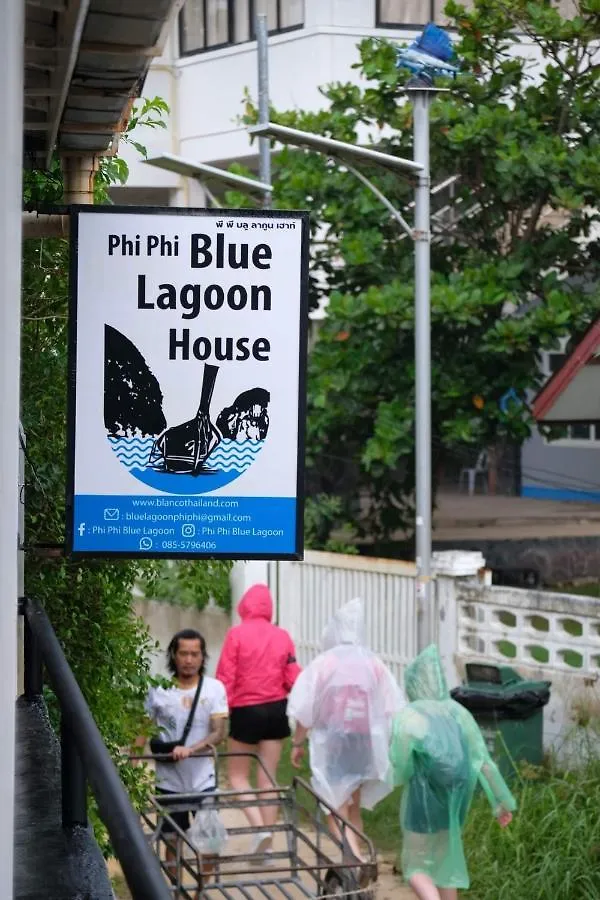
x,y
310,858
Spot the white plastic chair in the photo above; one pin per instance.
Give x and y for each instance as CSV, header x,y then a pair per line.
x,y
470,474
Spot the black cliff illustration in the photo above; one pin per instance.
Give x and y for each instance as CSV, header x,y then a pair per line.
x,y
183,449
132,394
247,417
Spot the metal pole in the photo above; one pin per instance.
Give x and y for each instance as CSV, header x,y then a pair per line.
x,y
78,177
11,102
73,781
264,144
21,649
33,668
395,213
422,236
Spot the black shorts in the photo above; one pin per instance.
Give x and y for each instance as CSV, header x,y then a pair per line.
x,y
262,722
180,816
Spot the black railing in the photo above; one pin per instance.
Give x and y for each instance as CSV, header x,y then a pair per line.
x,y
85,757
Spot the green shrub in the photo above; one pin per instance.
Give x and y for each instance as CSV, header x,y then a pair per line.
x,y
551,851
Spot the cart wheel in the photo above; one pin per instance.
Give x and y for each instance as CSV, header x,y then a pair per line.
x,y
332,885
343,886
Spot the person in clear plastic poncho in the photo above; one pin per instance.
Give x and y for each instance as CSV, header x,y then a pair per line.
x,y
438,753
346,699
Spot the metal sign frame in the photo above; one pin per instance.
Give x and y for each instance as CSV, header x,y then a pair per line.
x,y
193,466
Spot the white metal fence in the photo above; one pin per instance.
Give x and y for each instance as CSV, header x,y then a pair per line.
x,y
308,593
537,629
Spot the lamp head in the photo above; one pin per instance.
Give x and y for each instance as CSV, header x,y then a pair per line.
x,y
428,56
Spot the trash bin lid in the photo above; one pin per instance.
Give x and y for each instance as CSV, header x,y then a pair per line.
x,y
512,700
490,673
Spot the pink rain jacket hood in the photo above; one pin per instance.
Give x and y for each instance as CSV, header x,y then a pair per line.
x,y
258,659
256,603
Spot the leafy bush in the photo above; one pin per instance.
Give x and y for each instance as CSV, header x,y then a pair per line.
x,y
188,583
552,848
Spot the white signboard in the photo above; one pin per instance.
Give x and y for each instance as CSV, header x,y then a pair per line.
x,y
187,376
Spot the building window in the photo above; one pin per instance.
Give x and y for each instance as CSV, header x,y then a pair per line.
x,y
209,24
573,435
408,13
553,360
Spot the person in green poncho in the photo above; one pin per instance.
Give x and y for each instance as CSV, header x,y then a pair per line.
x,y
438,753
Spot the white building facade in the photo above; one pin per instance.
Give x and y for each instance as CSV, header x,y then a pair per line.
x,y
211,61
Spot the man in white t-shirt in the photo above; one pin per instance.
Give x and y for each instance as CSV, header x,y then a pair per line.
x,y
169,709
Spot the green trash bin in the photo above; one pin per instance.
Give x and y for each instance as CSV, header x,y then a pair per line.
x,y
510,712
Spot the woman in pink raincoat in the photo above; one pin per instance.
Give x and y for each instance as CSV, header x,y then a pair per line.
x,y
258,668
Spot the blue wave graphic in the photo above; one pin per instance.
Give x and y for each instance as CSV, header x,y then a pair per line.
x,y
228,456
231,456
133,452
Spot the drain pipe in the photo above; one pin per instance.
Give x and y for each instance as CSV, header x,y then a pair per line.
x,y
78,178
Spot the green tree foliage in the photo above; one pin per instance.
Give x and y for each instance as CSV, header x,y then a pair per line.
x,y
321,515
89,602
514,257
193,584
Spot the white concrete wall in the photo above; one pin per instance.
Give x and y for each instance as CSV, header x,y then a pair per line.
x,y
533,625
205,90
165,619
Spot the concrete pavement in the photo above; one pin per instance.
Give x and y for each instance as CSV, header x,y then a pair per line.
x,y
458,517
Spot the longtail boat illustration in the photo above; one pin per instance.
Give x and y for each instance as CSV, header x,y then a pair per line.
x,y
183,449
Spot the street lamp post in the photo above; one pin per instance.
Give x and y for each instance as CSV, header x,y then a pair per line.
x,y
420,97
421,235
430,54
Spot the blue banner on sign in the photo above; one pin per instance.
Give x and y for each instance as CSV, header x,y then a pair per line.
x,y
194,526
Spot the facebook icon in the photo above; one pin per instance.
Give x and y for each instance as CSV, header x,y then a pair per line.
x,y
81,529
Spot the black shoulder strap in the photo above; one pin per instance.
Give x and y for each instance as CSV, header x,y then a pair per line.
x,y
190,718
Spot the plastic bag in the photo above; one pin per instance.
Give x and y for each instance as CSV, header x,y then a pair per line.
x,y
207,832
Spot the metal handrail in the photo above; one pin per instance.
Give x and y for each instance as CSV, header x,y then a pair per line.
x,y
140,866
